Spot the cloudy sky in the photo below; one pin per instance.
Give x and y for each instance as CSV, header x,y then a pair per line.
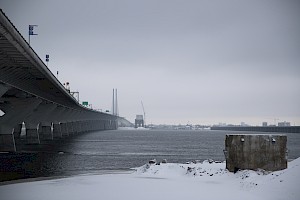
x,y
189,61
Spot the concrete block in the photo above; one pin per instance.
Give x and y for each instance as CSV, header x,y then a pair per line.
x,y
266,152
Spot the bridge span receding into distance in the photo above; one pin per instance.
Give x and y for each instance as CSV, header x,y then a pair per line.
x,y
31,95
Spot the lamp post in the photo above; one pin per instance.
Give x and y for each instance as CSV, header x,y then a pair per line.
x,y
30,31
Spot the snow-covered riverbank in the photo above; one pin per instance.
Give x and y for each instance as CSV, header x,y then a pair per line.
x,y
166,181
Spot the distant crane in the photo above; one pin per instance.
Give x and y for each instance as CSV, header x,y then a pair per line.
x,y
144,114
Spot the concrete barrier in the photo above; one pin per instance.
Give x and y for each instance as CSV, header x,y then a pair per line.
x,y
268,152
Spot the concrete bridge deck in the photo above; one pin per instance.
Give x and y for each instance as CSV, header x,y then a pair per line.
x,y
31,96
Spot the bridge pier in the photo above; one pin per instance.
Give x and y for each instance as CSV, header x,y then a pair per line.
x,y
7,141
17,131
102,124
64,129
56,116
70,128
83,126
91,125
74,127
56,128
45,131
19,109
43,114
38,124
79,129
32,133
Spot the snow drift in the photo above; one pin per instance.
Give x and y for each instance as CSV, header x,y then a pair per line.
x,y
206,180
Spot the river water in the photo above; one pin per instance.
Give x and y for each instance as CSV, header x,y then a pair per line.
x,y
117,150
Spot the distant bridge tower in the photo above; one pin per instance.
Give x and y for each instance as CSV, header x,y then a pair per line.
x,y
115,110
139,121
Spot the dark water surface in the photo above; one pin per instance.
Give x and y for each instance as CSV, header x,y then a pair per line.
x,y
117,150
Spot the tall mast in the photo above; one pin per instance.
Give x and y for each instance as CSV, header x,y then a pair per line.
x,y
117,111
113,103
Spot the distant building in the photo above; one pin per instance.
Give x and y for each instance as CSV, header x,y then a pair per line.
x,y
243,124
139,121
221,124
265,124
284,123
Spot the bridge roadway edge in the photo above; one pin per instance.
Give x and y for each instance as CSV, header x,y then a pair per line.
x,y
33,101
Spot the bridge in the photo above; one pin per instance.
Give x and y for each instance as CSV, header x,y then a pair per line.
x,y
31,96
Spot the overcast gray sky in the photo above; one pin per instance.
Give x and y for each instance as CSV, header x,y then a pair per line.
x,y
190,61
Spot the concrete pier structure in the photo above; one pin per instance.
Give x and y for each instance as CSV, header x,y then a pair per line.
x,y
32,133
17,131
45,131
268,152
7,142
56,130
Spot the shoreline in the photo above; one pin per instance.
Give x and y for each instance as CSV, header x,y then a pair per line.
x,y
45,178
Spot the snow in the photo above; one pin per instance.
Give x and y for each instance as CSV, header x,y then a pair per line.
x,y
132,128
206,180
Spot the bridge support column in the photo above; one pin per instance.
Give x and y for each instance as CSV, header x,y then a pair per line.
x,y
86,126
102,126
56,130
91,126
16,110
70,128
79,130
64,129
83,126
45,132
75,127
107,125
17,131
32,133
7,141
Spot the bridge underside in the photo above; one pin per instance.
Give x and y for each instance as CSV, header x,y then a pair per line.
x,y
43,120
31,97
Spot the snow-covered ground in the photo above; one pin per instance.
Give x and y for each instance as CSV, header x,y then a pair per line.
x,y
166,181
